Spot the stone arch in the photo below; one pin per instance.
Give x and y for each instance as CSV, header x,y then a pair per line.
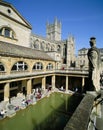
x,y
38,66
2,67
7,32
58,48
48,47
52,48
36,44
19,66
43,45
49,66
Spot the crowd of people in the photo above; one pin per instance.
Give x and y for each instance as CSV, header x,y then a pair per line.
x,y
22,101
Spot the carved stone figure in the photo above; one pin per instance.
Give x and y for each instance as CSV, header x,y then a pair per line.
x,y
94,65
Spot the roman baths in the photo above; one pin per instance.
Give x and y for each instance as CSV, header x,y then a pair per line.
x,y
43,85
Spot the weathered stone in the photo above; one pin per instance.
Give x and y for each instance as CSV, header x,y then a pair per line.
x,y
94,65
80,118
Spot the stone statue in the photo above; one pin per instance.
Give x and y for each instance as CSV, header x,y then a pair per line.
x,y
94,65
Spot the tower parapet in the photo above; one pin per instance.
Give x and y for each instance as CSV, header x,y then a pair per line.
x,y
53,31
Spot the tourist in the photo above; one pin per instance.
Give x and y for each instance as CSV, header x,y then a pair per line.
x,y
62,88
24,103
2,113
76,90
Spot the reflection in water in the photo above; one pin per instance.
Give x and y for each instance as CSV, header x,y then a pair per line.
x,y
50,113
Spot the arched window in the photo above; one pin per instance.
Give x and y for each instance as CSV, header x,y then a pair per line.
x,y
38,66
58,48
49,66
49,47
43,46
36,44
19,66
7,32
52,48
2,68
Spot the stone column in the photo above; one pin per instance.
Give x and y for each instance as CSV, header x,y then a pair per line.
x,y
83,83
66,83
10,33
53,81
7,92
29,86
24,84
3,31
43,83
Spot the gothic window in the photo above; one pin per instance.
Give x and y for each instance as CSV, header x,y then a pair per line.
x,y
47,47
36,44
42,46
38,66
19,66
49,66
52,48
2,68
58,48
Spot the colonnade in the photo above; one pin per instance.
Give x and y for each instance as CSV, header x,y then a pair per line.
x,y
28,85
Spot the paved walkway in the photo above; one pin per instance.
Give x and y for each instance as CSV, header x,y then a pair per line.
x,y
99,120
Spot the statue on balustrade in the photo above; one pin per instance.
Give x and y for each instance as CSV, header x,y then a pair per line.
x,y
94,66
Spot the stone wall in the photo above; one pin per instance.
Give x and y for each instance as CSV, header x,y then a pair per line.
x,y
80,118
10,18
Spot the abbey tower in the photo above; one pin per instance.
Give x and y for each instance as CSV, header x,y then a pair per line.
x,y
53,31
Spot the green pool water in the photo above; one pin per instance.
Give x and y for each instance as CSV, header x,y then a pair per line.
x,y
49,113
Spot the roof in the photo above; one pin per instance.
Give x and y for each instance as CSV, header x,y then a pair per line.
x,y
13,8
83,49
8,49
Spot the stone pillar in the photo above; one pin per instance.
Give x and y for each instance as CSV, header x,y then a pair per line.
x,y
43,83
24,84
83,83
7,92
66,83
53,81
29,86
3,31
10,33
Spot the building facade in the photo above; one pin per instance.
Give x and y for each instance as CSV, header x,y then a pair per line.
x,y
53,43
82,59
28,60
12,24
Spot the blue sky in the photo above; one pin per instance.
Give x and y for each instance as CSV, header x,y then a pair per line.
x,y
80,18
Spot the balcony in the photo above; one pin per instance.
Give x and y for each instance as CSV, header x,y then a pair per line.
x,y
24,74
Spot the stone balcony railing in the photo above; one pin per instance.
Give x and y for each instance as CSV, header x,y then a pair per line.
x,y
19,74
22,74
81,117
